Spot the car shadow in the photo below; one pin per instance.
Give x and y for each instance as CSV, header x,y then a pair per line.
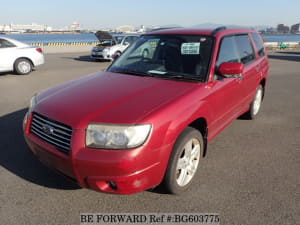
x,y
289,56
160,189
6,73
85,58
290,52
17,159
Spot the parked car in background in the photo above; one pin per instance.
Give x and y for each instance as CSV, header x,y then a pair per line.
x,y
19,57
147,119
111,45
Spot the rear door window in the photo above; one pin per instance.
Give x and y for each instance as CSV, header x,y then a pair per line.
x,y
245,49
259,43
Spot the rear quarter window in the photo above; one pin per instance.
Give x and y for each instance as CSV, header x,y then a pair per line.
x,y
259,44
6,44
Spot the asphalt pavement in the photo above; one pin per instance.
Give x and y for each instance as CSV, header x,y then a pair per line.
x,y
250,174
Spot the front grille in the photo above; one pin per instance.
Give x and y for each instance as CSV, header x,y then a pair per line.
x,y
52,132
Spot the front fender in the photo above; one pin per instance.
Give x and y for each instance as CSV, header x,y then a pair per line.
x,y
187,115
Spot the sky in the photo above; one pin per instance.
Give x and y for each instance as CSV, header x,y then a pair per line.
x,y
96,14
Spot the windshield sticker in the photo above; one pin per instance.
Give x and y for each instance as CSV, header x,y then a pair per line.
x,y
191,48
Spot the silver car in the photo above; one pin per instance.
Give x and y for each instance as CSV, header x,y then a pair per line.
x,y
111,45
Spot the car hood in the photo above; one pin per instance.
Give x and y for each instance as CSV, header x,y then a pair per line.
x,y
104,36
107,97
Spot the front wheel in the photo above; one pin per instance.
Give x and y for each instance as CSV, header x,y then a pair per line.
x,y
23,66
145,53
184,161
117,54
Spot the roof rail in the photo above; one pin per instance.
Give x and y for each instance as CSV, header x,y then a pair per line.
x,y
162,28
215,31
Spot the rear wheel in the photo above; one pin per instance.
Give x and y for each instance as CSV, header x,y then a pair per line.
x,y
184,161
255,105
23,66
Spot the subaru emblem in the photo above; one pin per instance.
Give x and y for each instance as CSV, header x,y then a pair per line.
x,y
48,129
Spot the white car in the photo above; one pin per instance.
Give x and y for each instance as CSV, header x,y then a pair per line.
x,y
19,57
111,45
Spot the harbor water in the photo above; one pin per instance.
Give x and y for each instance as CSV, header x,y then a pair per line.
x,y
90,38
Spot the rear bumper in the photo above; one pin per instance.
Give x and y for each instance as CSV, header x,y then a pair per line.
x,y
39,60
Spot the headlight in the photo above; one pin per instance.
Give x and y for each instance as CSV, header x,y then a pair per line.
x,y
32,103
106,49
116,136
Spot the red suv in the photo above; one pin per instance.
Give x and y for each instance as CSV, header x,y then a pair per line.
x,y
147,119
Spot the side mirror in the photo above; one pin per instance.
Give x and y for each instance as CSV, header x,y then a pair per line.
x,y
230,68
126,43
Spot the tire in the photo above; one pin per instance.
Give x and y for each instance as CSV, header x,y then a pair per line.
x,y
184,161
23,66
145,53
255,104
118,53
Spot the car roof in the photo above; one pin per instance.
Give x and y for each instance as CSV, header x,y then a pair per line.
x,y
220,31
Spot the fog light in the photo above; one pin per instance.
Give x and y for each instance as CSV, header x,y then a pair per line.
x,y
112,185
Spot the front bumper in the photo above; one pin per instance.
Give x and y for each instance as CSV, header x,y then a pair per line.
x,y
101,55
112,171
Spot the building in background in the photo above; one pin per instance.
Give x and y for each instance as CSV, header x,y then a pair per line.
x,y
282,28
75,26
295,28
5,28
126,29
22,28
142,29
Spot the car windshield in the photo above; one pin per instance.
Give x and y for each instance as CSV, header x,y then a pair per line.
x,y
106,43
167,57
119,39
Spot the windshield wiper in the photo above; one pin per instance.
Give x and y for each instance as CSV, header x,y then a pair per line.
x,y
159,74
131,72
172,75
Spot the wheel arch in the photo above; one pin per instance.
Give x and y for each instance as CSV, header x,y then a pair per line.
x,y
263,84
200,124
24,57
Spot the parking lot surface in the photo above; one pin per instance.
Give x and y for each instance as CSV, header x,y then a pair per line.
x,y
249,176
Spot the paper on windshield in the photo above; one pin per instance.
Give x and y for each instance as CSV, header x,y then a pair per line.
x,y
190,48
